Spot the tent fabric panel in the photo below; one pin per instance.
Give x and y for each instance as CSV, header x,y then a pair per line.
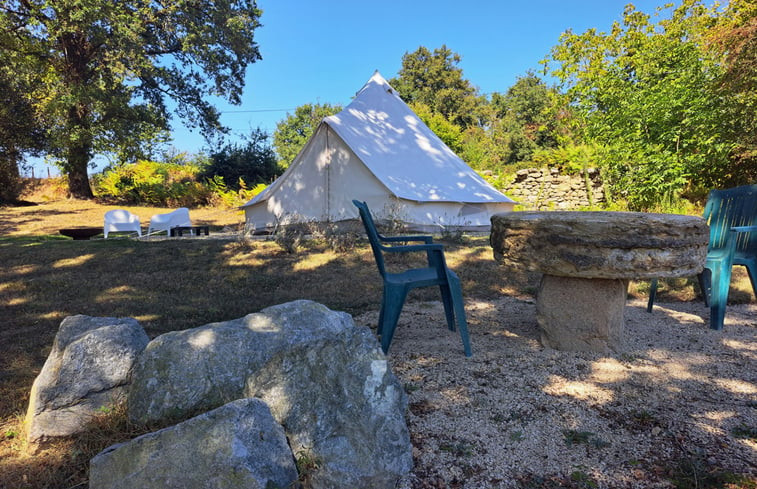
x,y
436,216
300,193
350,179
403,153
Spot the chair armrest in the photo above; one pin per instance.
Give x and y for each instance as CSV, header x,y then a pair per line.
x,y
395,239
409,248
744,229
730,242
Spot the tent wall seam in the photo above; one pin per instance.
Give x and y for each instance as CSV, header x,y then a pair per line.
x,y
328,175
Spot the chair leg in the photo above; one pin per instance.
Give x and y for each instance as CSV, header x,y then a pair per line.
x,y
381,314
449,310
652,294
721,281
394,298
705,283
457,301
751,268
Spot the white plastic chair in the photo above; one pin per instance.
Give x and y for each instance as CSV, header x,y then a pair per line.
x,y
173,219
120,220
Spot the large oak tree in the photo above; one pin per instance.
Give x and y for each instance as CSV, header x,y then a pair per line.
x,y
106,69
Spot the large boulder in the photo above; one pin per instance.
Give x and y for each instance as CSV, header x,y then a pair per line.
x,y
236,445
326,381
88,369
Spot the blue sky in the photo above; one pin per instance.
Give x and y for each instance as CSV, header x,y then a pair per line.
x,y
325,51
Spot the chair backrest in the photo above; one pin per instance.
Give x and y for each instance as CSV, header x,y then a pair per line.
x,y
729,208
176,218
373,235
119,216
180,217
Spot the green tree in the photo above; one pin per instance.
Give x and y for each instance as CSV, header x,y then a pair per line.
x,y
645,93
530,106
448,132
485,148
734,38
106,69
435,80
293,132
254,162
20,134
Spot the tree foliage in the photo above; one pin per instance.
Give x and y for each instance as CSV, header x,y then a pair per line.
x,y
645,92
294,131
449,133
165,184
532,106
252,162
20,133
734,38
435,80
102,71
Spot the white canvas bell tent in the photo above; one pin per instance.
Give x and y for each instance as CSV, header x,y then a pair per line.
x,y
378,151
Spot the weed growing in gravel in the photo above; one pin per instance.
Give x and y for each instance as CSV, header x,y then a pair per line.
x,y
644,418
744,432
516,436
574,437
306,464
582,479
499,418
694,471
458,449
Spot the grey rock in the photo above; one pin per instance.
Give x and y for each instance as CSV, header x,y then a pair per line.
x,y
234,446
88,368
614,245
326,381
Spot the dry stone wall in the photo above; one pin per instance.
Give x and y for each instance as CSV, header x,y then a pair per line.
x,y
546,189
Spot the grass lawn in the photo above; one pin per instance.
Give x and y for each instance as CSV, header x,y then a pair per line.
x,y
173,284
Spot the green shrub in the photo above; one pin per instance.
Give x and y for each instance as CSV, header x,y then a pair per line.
x,y
252,161
225,197
153,183
171,184
570,159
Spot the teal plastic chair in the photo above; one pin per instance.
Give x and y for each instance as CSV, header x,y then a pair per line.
x,y
397,285
732,217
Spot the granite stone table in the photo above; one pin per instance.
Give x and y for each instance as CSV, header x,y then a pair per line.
x,y
587,259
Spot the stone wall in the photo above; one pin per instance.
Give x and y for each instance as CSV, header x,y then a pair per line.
x,y
545,189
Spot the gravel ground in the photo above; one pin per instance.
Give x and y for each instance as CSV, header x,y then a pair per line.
x,y
679,403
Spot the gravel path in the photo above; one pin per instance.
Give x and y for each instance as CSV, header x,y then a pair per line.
x,y
679,403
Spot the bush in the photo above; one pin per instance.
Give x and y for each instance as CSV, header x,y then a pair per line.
x,y
154,183
225,197
254,161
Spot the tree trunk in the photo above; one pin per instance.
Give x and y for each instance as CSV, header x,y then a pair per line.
x,y
10,178
79,152
78,180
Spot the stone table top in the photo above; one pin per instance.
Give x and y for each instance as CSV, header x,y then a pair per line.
x,y
612,245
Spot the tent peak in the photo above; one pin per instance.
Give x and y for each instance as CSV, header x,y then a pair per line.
x,y
377,81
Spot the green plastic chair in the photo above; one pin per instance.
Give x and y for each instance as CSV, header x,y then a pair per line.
x,y
397,285
732,217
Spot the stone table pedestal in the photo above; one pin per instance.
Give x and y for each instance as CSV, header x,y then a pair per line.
x,y
587,259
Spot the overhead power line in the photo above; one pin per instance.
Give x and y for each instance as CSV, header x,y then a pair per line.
x,y
255,110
